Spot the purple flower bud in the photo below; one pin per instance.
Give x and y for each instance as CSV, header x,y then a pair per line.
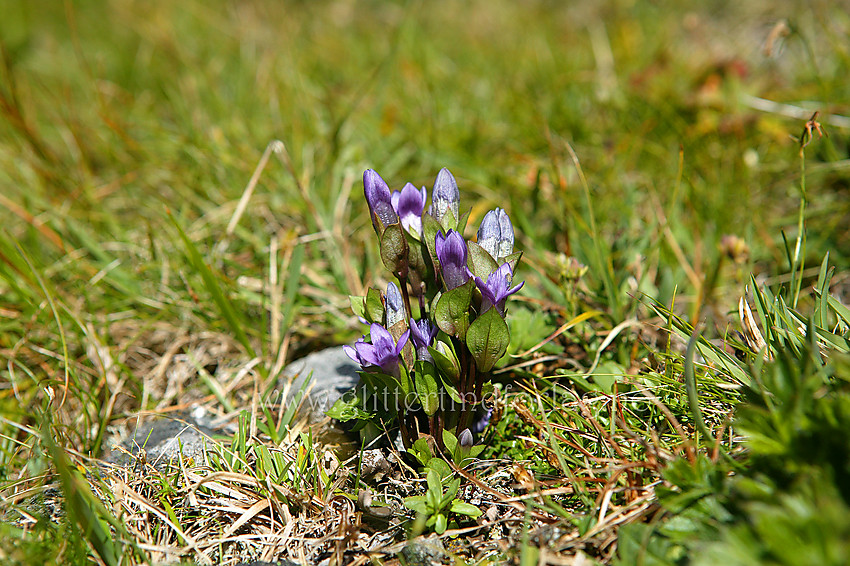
x,y
445,196
382,353
422,334
497,288
451,253
409,204
394,310
379,198
464,439
496,234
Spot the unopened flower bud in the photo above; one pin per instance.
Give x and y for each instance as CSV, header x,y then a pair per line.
x,y
445,196
379,198
496,234
464,439
394,305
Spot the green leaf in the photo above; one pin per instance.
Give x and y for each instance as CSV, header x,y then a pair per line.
x,y
450,440
450,493
394,249
452,311
442,522
447,363
463,508
374,306
358,305
440,466
480,262
422,451
416,503
435,484
427,387
348,408
454,394
487,339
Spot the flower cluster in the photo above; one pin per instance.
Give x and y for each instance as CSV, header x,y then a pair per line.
x,y
438,329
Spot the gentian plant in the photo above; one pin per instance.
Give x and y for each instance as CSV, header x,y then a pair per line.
x,y
438,328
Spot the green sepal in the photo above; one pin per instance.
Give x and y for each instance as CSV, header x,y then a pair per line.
x,y
461,222
448,222
480,262
452,311
374,306
487,339
394,250
427,387
430,228
512,260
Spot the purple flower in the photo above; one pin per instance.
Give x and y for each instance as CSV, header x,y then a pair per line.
x,y
484,420
394,309
383,352
409,204
451,253
496,234
379,198
445,196
422,334
497,288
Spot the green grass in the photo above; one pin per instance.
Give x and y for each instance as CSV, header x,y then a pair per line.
x,y
631,136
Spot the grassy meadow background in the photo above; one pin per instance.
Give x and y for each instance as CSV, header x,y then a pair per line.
x,y
189,173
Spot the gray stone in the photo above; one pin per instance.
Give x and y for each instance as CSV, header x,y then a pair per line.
x,y
331,372
424,552
163,440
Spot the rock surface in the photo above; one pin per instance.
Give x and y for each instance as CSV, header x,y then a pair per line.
x,y
331,373
161,441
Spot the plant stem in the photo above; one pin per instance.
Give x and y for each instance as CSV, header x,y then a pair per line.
x,y
798,262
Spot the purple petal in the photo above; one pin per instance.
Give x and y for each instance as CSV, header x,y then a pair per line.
x,y
451,253
409,204
351,353
402,340
368,354
379,198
